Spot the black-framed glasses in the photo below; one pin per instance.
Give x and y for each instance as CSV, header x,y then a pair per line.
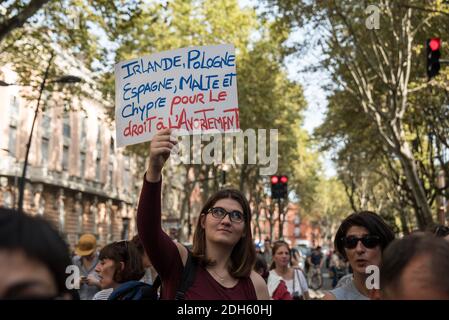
x,y
220,213
368,241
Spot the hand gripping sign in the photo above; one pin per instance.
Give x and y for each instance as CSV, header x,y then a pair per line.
x,y
192,90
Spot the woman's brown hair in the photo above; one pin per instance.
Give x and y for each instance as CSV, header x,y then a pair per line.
x,y
126,252
243,254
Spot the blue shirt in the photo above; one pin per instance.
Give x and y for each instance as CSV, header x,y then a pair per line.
x,y
85,291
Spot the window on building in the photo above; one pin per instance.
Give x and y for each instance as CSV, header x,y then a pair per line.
x,y
82,164
65,158
14,108
66,128
46,124
12,140
111,147
97,170
83,133
44,151
99,136
110,173
13,116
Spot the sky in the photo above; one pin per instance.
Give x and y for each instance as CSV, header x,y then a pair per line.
x,y
314,94
311,82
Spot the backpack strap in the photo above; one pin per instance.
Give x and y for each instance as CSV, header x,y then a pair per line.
x,y
188,276
153,292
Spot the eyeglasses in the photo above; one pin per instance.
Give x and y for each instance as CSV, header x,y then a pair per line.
x,y
368,241
220,213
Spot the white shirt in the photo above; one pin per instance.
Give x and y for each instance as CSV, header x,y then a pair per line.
x,y
300,282
103,294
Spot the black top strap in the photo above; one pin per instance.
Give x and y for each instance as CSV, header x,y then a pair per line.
x,y
188,276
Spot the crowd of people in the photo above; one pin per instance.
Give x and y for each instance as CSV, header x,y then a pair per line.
x,y
223,263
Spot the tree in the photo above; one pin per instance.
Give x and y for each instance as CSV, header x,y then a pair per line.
x,y
16,14
380,69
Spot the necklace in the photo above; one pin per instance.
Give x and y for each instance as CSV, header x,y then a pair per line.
x,y
222,279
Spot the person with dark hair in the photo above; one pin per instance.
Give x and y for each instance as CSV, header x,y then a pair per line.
x,y
223,250
267,251
285,282
261,267
120,269
33,259
315,261
150,274
415,268
361,239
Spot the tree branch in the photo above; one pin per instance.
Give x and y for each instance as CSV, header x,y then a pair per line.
x,y
18,20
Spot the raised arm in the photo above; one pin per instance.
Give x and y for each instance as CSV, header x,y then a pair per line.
x,y
162,251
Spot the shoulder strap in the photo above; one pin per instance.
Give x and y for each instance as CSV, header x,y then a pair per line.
x,y
153,293
299,280
294,280
188,276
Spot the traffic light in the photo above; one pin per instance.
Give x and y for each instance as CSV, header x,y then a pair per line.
x,y
433,57
284,186
279,188
275,187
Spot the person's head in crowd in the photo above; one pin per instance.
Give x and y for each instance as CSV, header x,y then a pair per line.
x,y
139,246
295,258
415,267
33,258
267,244
361,239
120,262
281,255
225,221
441,231
86,246
261,266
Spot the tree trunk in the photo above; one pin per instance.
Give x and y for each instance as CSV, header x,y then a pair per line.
x,y
404,223
423,212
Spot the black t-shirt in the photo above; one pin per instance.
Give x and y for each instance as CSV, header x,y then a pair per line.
x,y
316,258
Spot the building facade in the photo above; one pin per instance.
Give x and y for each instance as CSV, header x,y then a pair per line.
x,y
76,178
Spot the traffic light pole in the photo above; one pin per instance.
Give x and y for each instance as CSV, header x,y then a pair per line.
x,y
281,227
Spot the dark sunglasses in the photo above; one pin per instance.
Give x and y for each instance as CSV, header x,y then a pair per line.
x,y
368,241
220,213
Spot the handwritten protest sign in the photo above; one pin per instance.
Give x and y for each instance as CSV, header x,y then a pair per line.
x,y
193,90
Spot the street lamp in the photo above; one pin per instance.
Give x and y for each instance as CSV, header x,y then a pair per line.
x,y
67,79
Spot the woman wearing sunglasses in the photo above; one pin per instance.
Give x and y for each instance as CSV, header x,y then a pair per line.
x,y
223,249
361,239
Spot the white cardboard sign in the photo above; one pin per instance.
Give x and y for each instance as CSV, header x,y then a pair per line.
x,y
192,90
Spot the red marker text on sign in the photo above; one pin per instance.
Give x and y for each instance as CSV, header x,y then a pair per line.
x,y
221,96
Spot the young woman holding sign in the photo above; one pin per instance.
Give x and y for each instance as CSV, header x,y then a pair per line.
x,y
223,252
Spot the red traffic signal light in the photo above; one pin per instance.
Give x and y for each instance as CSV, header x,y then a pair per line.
x,y
435,44
433,56
279,188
